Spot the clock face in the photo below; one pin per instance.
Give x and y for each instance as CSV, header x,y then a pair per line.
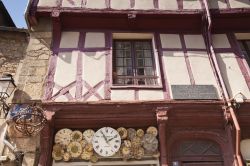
x,y
106,141
88,135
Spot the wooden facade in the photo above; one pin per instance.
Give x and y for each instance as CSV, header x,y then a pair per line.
x,y
194,46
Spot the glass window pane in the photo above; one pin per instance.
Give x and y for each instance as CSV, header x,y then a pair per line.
x,y
140,71
248,45
147,53
139,54
119,71
127,53
127,71
149,71
128,62
119,53
148,62
140,63
146,45
119,61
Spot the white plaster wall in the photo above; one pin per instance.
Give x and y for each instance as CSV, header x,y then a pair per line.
x,y
170,41
168,5
94,67
72,3
48,3
61,98
202,69
144,4
69,40
232,75
176,69
119,95
94,40
151,95
120,4
191,4
220,41
66,68
215,4
194,41
96,4
239,3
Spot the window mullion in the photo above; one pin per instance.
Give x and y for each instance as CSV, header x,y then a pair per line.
x,y
133,56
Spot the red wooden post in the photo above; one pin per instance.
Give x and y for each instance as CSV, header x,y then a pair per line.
x,y
161,114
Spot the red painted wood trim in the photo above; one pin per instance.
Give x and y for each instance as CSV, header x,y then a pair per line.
x,y
190,73
181,49
56,37
136,94
81,41
92,90
156,4
79,83
132,3
164,80
239,57
180,4
108,67
63,90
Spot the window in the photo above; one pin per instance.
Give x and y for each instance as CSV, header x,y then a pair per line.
x,y
245,48
133,63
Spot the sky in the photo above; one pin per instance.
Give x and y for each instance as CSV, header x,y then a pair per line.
x,y
16,9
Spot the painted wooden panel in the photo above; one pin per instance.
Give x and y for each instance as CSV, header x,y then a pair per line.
x,y
201,68
47,3
96,4
191,4
150,95
168,5
94,40
217,4
120,4
122,95
72,3
69,40
232,75
144,4
220,41
194,41
170,41
239,3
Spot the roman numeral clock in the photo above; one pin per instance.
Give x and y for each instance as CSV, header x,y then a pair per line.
x,y
106,141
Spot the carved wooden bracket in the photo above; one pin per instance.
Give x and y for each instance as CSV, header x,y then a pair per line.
x,y
55,13
227,115
162,114
49,115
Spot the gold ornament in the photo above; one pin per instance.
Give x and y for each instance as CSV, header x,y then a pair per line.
x,y
150,143
127,143
136,142
66,157
88,135
126,153
93,158
140,133
131,133
76,136
152,130
83,143
138,153
62,137
89,148
86,155
122,132
57,147
74,149
58,154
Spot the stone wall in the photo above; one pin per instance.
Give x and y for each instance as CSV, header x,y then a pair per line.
x,y
13,45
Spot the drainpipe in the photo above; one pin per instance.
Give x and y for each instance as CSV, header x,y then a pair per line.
x,y
222,84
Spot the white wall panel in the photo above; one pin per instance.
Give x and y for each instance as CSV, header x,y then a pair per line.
x,y
151,95
94,40
122,94
72,3
66,68
69,40
220,41
120,4
239,3
170,41
191,4
216,4
194,41
96,4
94,67
48,3
202,69
232,75
168,5
144,4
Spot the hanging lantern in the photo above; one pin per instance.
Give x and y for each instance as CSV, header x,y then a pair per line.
x,y
28,120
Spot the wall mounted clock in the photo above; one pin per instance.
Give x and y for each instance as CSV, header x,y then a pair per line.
x,y
63,137
106,141
88,135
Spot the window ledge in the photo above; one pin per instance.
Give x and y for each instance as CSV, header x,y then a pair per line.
x,y
136,87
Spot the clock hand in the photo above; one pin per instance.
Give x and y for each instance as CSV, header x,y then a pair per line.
x,y
111,139
105,138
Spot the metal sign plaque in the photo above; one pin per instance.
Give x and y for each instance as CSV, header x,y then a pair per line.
x,y
194,92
